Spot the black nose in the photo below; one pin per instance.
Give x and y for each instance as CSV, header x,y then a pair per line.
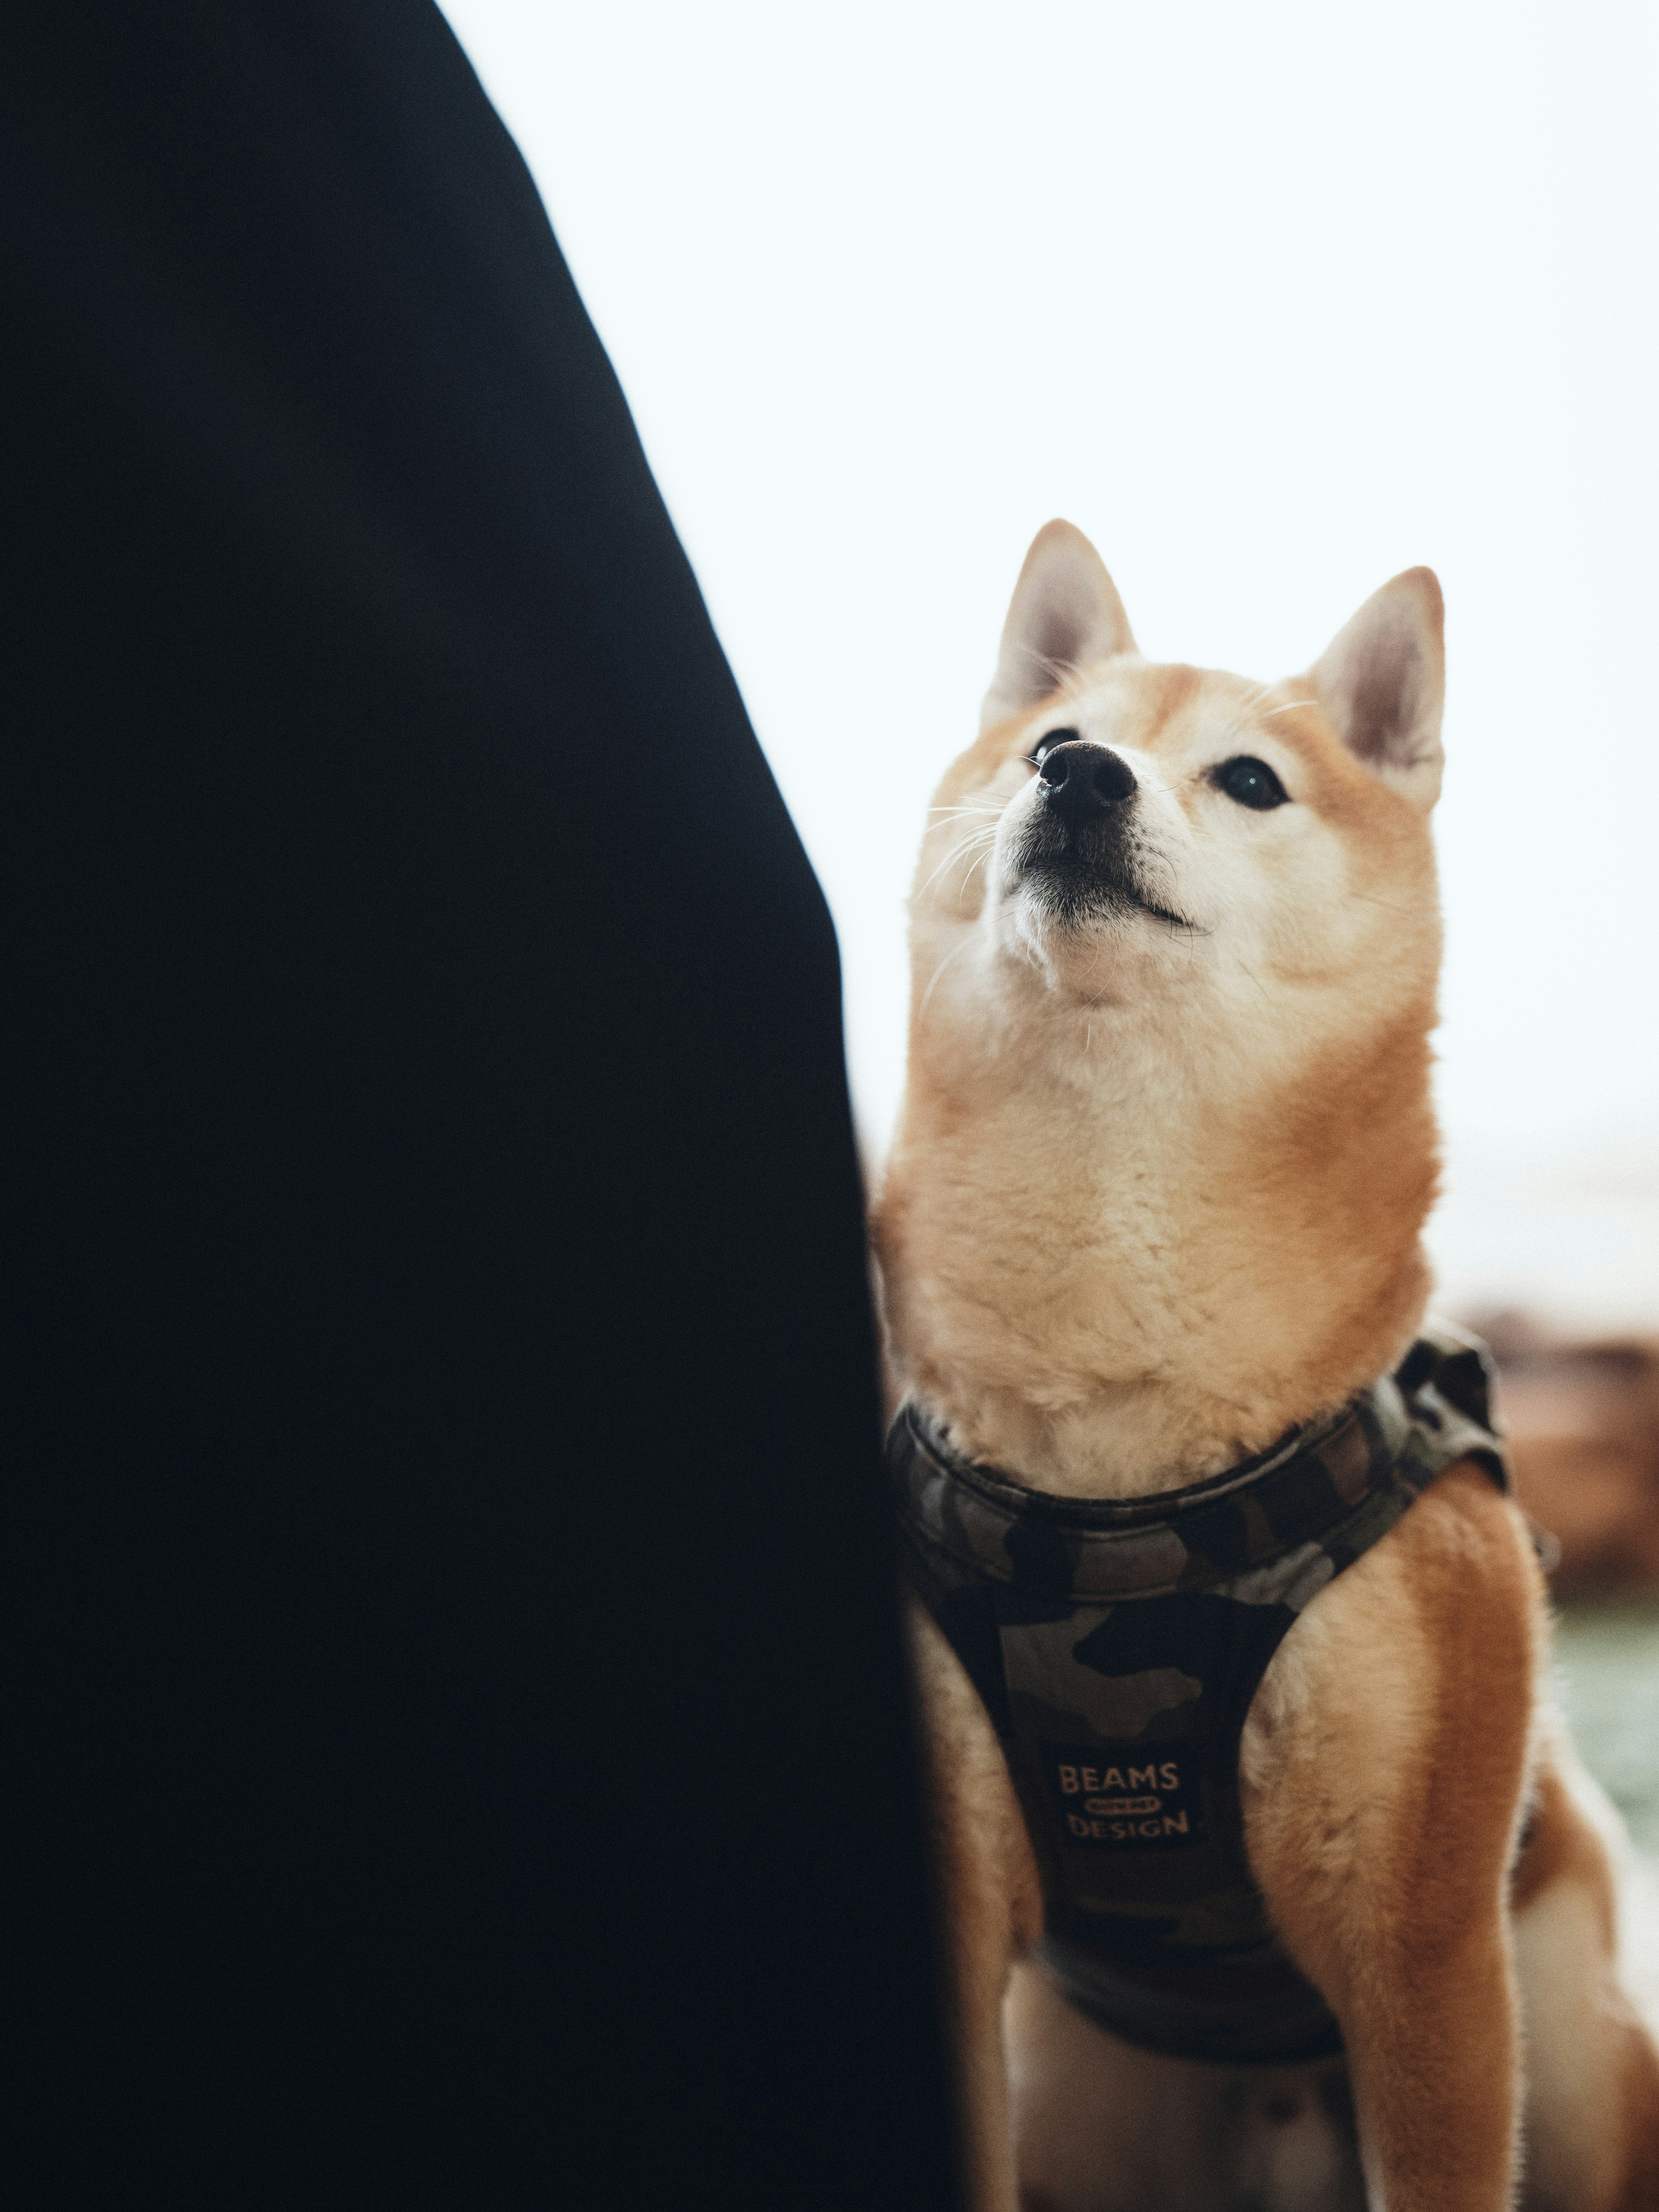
x,y
1081,780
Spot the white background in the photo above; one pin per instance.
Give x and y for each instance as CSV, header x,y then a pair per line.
x,y
1274,302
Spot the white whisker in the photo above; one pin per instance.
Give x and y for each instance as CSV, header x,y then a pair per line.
x,y
1246,708
1065,677
1286,709
984,856
938,971
980,838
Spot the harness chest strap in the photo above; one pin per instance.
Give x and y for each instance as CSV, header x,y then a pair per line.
x,y
1117,1646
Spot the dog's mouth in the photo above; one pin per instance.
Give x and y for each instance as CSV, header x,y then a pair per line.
x,y
1076,893
1076,885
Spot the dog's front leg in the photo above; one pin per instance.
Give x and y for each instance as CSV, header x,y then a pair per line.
x,y
1385,1765
990,1899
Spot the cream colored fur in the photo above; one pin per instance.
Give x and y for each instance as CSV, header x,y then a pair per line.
x,y
1156,1194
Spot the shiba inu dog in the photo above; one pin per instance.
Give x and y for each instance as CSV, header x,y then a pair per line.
x,y
1152,1286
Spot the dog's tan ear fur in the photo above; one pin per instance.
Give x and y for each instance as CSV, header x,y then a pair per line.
x,y
1066,614
1382,681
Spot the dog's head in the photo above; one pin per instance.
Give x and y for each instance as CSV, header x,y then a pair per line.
x,y
1221,855
1167,1141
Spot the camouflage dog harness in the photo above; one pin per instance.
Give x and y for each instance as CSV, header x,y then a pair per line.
x,y
1117,1647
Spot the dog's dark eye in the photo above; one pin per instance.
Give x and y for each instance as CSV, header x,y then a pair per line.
x,y
1251,782
1046,744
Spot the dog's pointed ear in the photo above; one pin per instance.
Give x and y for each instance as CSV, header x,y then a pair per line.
x,y
1382,681
1065,613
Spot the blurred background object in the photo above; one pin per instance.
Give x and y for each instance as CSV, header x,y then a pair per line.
x,y
1608,1655
1581,1422
1580,1416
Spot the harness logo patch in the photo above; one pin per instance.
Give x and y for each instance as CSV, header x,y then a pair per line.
x,y
1132,1796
